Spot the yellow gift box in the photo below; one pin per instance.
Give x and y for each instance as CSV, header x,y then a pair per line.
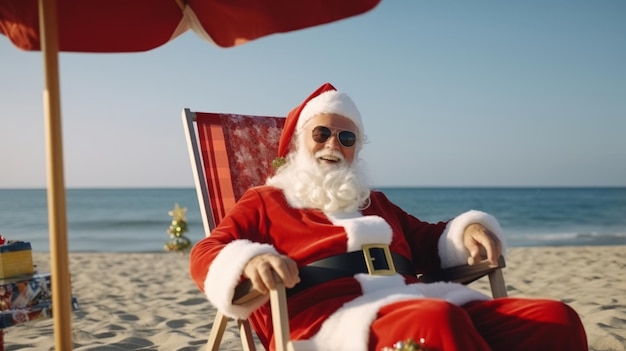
x,y
16,258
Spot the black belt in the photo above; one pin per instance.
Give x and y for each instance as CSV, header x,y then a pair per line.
x,y
373,259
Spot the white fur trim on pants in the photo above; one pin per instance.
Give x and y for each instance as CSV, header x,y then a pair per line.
x,y
348,329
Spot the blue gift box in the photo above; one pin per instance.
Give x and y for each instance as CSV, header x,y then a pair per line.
x,y
25,298
24,291
41,310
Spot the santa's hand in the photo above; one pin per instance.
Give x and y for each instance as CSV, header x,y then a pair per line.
x,y
481,242
263,270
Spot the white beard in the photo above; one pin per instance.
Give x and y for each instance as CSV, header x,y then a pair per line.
x,y
307,184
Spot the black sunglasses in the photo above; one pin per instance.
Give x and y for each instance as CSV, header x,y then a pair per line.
x,y
345,137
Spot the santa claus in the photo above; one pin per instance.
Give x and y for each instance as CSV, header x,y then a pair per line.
x,y
349,256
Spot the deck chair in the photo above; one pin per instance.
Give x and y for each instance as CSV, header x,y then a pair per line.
x,y
230,153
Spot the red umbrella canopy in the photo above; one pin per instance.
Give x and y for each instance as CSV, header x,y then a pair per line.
x,y
140,25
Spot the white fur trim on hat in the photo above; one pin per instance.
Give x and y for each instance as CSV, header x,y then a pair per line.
x,y
331,101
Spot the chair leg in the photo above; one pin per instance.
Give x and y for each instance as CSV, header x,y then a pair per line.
x,y
217,331
245,333
496,281
280,318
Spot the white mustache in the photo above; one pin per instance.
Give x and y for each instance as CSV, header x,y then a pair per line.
x,y
329,154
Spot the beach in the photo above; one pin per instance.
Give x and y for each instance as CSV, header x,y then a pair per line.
x,y
146,301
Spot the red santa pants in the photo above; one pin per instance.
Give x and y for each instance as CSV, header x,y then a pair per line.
x,y
501,324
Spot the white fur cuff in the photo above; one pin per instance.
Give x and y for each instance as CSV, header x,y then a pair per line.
x,y
451,249
225,273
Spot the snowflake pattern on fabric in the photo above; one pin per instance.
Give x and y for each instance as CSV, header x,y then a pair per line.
x,y
252,145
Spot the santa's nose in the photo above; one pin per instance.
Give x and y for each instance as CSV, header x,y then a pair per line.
x,y
333,142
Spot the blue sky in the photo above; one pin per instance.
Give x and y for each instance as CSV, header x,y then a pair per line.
x,y
452,93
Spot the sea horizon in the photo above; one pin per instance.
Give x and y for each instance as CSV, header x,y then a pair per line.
x,y
135,219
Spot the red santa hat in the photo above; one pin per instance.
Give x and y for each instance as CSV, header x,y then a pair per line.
x,y
326,99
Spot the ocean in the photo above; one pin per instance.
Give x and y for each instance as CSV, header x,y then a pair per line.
x,y
137,220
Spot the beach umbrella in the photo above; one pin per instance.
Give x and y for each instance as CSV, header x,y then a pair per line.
x,y
132,26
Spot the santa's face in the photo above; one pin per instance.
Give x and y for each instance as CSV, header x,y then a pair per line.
x,y
324,172
329,151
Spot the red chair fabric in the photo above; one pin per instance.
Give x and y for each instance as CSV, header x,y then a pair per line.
x,y
238,151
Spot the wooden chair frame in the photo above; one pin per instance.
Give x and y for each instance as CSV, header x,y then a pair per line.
x,y
464,274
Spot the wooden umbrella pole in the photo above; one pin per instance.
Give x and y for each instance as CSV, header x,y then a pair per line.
x,y
57,213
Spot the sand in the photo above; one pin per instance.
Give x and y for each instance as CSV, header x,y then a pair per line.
x,y
146,301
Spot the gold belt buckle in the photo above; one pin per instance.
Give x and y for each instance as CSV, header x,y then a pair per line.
x,y
369,259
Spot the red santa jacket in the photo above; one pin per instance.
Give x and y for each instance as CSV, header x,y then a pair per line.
x,y
263,222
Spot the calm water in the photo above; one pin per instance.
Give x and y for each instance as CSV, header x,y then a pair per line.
x,y
116,220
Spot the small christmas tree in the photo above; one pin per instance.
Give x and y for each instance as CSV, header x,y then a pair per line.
x,y
178,242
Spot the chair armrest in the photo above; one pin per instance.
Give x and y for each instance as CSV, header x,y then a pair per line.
x,y
463,274
244,293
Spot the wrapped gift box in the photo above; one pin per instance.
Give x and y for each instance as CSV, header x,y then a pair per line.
x,y
26,298
41,310
16,258
24,291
